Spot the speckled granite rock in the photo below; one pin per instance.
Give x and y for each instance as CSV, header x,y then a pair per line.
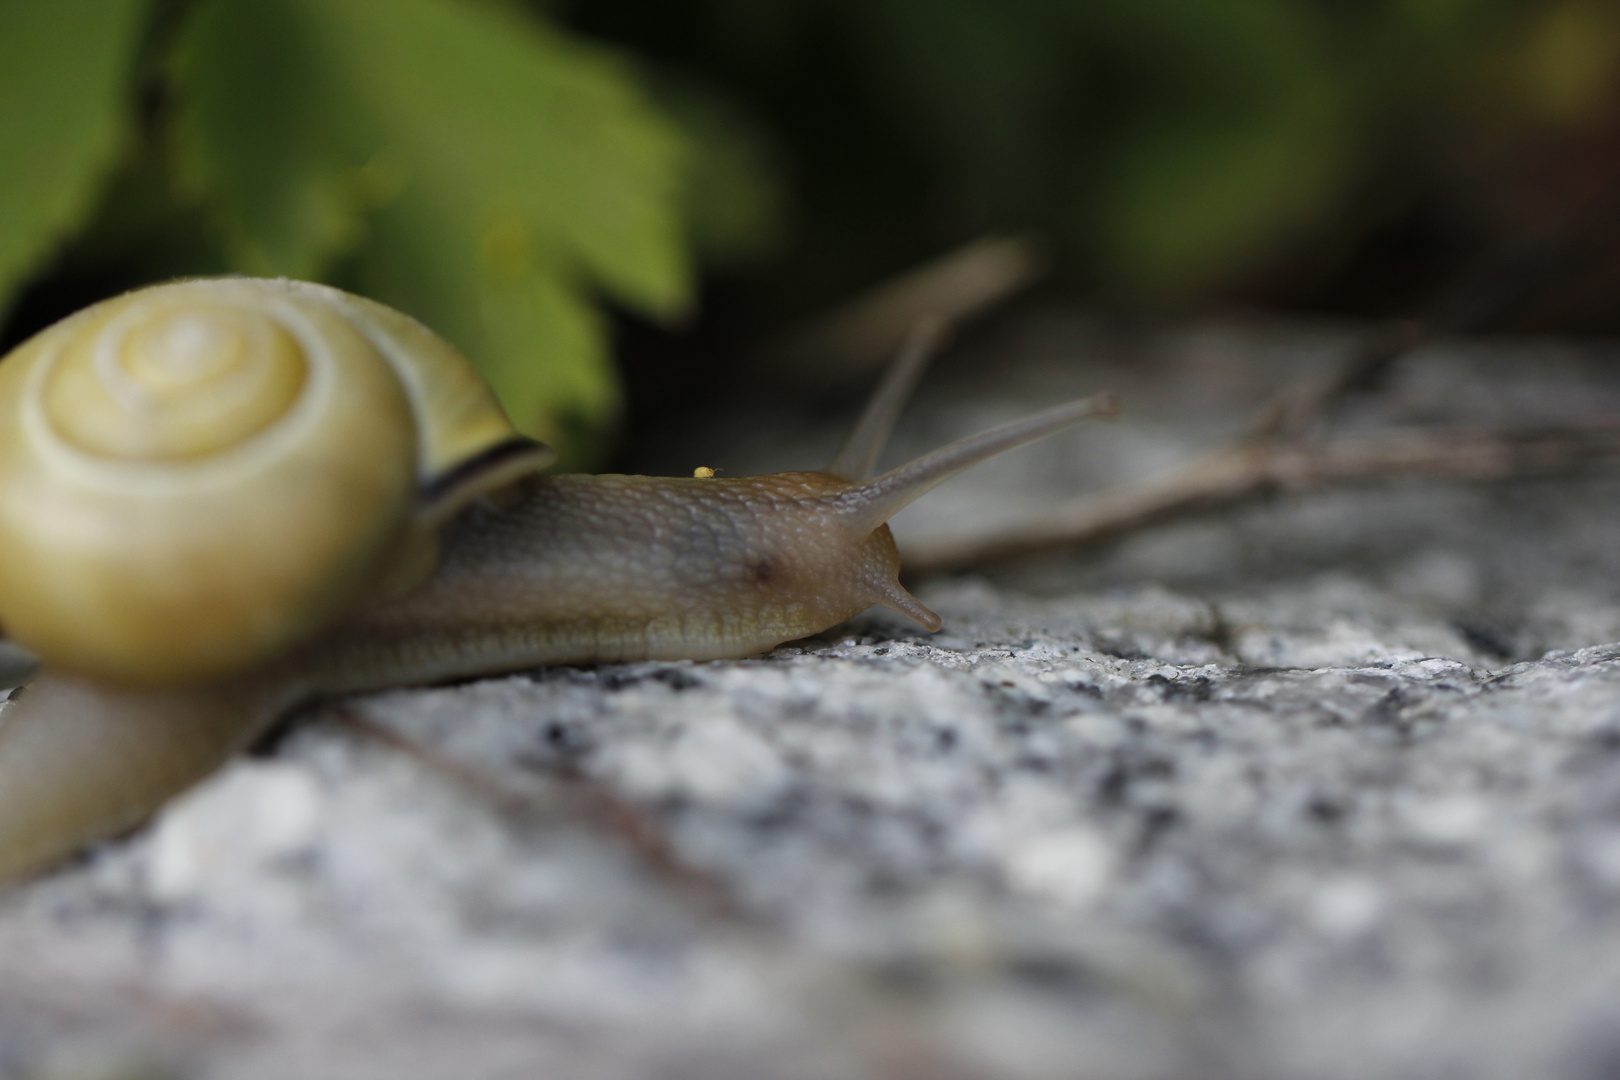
x,y
1327,788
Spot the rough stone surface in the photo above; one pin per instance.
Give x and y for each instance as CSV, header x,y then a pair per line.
x,y
1324,788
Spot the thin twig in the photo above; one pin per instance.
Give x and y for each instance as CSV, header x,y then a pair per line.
x,y
865,332
572,796
1248,469
1508,272
1283,445
1299,410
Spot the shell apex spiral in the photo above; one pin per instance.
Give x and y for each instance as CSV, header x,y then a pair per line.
x,y
198,475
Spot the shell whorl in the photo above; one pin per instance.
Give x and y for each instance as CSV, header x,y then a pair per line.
x,y
197,475
168,379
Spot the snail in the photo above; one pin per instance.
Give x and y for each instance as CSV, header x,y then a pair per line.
x,y
222,498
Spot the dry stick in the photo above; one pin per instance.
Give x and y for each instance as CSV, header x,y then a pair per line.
x,y
577,797
1277,449
1280,447
865,332
1295,412
1512,272
1249,469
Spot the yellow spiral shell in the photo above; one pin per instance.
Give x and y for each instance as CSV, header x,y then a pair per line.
x,y
195,476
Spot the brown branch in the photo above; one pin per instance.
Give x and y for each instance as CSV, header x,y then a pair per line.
x,y
573,795
1281,447
1248,469
865,332
1298,410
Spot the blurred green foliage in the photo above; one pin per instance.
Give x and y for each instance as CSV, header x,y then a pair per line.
x,y
501,168
64,80
463,161
1169,147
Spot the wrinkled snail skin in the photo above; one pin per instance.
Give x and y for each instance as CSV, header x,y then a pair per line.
x,y
578,569
558,569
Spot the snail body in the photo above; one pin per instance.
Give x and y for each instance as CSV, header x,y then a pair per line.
x,y
195,650
581,569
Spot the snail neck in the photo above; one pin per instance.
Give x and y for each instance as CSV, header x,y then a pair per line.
x,y
580,569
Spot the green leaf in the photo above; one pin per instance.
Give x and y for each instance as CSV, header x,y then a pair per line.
x,y
456,159
65,69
